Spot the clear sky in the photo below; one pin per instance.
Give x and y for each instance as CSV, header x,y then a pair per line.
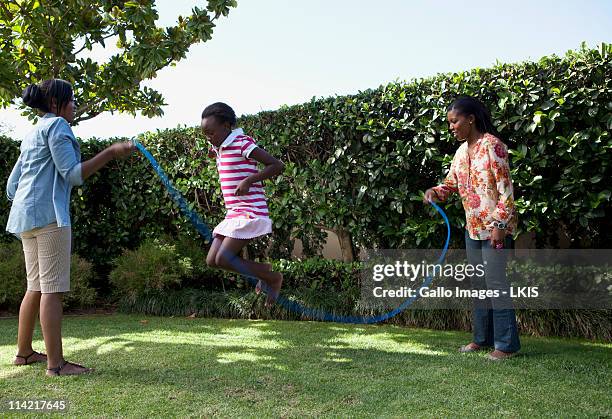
x,y
267,53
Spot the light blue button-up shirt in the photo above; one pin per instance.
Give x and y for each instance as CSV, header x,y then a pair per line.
x,y
49,165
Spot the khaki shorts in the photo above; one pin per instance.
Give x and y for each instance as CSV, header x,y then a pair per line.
x,y
47,258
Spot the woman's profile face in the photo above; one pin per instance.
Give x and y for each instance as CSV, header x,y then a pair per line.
x,y
68,112
459,125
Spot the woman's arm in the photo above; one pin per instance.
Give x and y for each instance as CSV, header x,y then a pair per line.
x,y
498,156
13,180
65,159
449,186
60,139
117,150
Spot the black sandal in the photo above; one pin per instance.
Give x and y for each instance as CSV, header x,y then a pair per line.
x,y
57,371
26,359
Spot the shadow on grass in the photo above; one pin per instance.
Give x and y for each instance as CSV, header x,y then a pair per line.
x,y
149,347
285,337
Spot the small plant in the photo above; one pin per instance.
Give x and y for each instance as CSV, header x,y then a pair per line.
x,y
154,266
81,294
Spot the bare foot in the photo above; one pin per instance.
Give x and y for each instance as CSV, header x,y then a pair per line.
x,y
32,358
274,283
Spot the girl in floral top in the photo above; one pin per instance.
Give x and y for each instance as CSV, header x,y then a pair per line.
x,y
480,173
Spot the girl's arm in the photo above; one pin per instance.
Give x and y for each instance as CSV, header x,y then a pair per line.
x,y
273,167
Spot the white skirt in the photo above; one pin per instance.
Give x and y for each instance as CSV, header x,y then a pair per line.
x,y
243,227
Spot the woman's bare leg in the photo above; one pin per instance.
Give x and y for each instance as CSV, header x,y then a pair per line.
x,y
51,313
28,312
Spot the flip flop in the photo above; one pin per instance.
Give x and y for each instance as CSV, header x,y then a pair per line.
x,y
26,359
57,371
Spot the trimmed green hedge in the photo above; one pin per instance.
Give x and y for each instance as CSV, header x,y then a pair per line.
x,y
357,164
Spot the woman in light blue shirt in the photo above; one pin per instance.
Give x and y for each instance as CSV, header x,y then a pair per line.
x,y
39,186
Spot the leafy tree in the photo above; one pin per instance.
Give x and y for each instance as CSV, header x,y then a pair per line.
x,y
42,39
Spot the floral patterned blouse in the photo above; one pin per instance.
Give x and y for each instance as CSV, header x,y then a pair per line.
x,y
484,186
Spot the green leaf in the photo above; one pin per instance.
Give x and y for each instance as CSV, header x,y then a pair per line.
x,y
547,105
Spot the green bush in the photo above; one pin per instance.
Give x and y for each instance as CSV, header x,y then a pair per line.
x,y
13,279
154,266
195,251
567,279
9,152
233,303
316,283
319,274
358,163
81,294
12,275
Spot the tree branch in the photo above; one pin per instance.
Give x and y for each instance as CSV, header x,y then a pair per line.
x,y
85,46
81,118
7,11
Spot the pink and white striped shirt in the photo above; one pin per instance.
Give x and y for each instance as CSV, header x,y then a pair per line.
x,y
234,165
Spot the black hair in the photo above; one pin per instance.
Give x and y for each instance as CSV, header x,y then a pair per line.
x,y
221,111
40,96
468,105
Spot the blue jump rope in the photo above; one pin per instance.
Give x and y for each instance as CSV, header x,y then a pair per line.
x,y
316,314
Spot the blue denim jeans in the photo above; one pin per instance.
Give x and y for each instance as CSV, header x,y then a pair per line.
x,y
493,319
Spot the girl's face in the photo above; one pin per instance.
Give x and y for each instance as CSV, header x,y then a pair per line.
x,y
460,125
215,130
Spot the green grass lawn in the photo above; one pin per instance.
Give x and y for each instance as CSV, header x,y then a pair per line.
x,y
151,366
